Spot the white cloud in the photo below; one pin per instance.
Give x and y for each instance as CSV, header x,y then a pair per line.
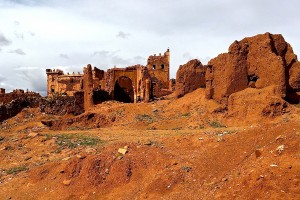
x,y
94,31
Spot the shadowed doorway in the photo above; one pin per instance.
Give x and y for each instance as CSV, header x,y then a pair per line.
x,y
123,90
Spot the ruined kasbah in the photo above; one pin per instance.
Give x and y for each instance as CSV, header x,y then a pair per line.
x,y
226,130
131,84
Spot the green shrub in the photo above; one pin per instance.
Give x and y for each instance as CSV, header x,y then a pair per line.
x,y
216,124
73,140
144,118
16,170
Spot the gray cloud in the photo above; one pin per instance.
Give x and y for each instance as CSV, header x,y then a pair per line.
x,y
18,51
2,78
4,41
34,78
102,53
110,58
205,60
139,60
19,35
26,2
187,55
65,56
123,35
117,60
16,23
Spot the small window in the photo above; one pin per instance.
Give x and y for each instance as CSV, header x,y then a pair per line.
x,y
71,80
154,67
52,90
162,66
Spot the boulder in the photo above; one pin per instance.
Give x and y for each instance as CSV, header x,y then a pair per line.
x,y
189,77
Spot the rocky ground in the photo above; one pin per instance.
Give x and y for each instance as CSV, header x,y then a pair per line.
x,y
186,148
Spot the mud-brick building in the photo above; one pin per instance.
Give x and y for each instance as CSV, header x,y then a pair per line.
x,y
59,83
159,70
130,84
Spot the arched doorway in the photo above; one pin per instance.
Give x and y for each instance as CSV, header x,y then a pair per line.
x,y
123,90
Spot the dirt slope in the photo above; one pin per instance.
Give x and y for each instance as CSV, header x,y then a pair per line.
x,y
177,149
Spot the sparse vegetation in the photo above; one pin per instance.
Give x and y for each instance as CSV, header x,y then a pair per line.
x,y
16,170
73,140
153,143
200,126
227,132
186,168
144,118
72,128
216,124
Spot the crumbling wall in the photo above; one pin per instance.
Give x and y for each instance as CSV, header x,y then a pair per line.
x,y
69,84
8,97
189,77
61,105
12,108
255,62
98,76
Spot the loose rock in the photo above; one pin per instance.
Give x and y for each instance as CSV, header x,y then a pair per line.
x,y
67,182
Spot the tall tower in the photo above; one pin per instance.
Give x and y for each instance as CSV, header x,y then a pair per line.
x,y
52,81
88,87
159,69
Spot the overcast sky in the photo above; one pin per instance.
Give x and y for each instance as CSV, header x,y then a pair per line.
x,y
69,34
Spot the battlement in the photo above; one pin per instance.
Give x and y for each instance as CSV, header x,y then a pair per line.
x,y
159,62
54,71
18,91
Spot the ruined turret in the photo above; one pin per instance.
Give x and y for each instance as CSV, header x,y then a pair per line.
x,y
52,76
88,87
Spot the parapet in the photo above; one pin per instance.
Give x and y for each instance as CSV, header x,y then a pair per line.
x,y
54,71
18,91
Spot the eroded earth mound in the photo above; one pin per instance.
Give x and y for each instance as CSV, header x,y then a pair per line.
x,y
189,77
255,62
